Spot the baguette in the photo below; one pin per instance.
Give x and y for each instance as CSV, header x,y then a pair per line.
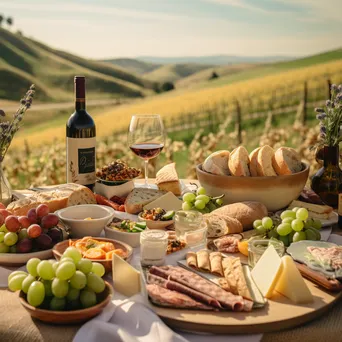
x,y
264,162
228,272
239,162
254,162
217,163
286,161
219,225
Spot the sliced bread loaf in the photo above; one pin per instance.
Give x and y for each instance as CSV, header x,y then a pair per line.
x,y
286,161
217,163
253,157
239,162
264,161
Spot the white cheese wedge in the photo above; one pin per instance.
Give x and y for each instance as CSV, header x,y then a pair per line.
x,y
291,284
267,271
126,278
167,202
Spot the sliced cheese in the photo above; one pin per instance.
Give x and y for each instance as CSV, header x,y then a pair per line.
x,y
267,271
167,202
291,284
126,278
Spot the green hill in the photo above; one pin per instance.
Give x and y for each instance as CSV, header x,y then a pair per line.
x,y
24,61
133,65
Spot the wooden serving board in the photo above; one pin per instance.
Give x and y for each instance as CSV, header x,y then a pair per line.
x,y
278,314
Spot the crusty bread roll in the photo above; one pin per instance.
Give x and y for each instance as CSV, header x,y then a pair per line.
x,y
219,225
239,162
253,157
217,163
167,179
286,161
245,212
60,197
264,161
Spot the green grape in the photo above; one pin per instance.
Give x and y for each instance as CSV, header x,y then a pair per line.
x,y
257,223
73,294
211,206
45,270
32,266
272,234
78,280
13,249
84,265
308,223
189,197
219,202
95,283
65,270
74,304
186,206
288,213
55,266
287,220
3,248
285,240
27,282
203,198
313,231
297,225
87,298
10,239
310,234
284,229
302,214
299,236
52,261
13,274
2,236
98,269
3,229
65,258
261,230
201,191
16,282
48,288
317,224
60,288
36,293
73,253
57,304
205,211
199,204
267,223
295,209
22,234
291,236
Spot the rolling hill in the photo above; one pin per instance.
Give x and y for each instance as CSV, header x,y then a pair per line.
x,y
133,65
24,61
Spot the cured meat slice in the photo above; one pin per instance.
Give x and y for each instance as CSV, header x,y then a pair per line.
x,y
196,282
174,286
328,257
227,244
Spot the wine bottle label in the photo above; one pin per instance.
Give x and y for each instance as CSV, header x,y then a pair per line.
x,y
81,160
339,204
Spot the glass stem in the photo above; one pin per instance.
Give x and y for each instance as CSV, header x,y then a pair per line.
x,y
146,172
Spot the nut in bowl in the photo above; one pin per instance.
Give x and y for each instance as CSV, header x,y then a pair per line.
x,y
157,218
86,220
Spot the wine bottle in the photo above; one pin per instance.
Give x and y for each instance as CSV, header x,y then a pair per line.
x,y
81,141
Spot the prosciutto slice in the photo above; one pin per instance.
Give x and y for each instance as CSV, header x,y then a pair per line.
x,y
196,282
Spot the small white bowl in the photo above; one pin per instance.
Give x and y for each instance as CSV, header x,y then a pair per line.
x,y
74,217
108,191
132,239
156,224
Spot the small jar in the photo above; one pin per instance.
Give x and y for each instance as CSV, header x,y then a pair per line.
x,y
187,221
153,247
256,249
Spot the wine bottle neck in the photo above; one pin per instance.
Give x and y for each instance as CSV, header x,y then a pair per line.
x,y
80,103
331,155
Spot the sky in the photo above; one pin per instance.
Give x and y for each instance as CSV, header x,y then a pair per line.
x,y
168,28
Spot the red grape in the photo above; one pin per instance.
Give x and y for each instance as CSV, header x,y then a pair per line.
x,y
32,215
2,220
5,213
12,223
55,234
43,242
42,210
34,231
24,246
2,206
24,221
49,221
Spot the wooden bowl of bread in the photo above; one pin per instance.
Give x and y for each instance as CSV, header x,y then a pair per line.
x,y
274,178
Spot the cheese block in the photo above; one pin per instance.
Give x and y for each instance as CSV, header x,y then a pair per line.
x,y
167,202
58,197
291,284
167,179
316,211
139,197
126,279
267,271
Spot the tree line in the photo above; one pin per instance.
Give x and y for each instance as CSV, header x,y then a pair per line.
x,y
8,20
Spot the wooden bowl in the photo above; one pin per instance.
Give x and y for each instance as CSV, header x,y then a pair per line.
x,y
69,317
59,249
275,192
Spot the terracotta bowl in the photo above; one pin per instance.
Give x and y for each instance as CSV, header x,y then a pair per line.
x,y
275,192
59,249
69,317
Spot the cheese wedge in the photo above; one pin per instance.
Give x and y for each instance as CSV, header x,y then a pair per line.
x,y
291,284
267,271
167,202
126,279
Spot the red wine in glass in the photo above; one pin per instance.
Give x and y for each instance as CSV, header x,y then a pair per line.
x,y
147,151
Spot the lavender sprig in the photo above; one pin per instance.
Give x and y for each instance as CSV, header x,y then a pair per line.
x,y
9,128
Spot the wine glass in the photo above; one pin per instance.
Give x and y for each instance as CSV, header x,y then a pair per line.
x,y
146,138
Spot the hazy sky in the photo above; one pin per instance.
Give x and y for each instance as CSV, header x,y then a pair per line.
x,y
129,28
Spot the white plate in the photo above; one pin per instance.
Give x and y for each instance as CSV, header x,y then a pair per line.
x,y
18,259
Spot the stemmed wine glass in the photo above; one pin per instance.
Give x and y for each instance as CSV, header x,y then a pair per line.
x,y
146,138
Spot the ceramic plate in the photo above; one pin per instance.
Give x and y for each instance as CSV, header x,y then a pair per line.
x,y
19,259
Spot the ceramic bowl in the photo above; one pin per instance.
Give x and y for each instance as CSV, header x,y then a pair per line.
x,y
110,190
59,249
275,192
69,317
19,259
132,239
74,218
156,224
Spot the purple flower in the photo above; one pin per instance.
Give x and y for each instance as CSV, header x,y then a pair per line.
x,y
328,103
339,88
23,102
319,110
321,116
338,97
2,113
333,87
323,129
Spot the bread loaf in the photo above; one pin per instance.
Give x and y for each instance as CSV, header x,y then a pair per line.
x,y
239,162
254,162
264,162
167,179
139,197
244,212
286,161
60,197
217,163
219,225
